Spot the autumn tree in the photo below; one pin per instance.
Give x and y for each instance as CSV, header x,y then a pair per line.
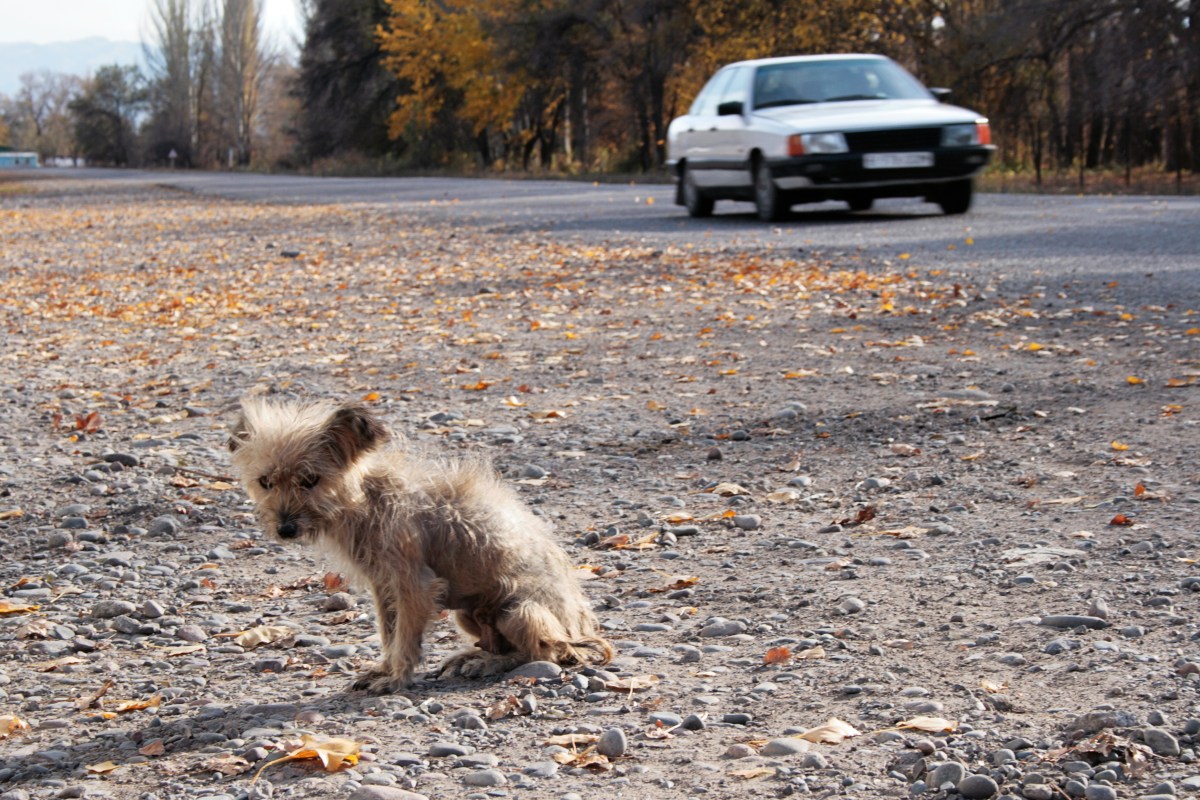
x,y
169,59
242,67
105,114
39,118
344,91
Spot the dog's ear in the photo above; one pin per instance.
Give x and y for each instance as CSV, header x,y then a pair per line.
x,y
352,431
239,435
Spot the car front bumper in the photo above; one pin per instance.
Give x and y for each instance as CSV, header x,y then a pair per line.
x,y
846,170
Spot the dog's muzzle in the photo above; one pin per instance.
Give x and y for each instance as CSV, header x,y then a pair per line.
x,y
287,528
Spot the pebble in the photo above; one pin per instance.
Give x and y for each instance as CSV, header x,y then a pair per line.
x,y
1038,791
191,633
747,522
1098,791
721,627
485,777
536,670
739,750
340,601
443,749
950,772
612,743
1160,742
1073,621
977,787
788,746
384,793
107,609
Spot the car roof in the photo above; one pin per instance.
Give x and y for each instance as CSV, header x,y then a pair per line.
x,y
759,62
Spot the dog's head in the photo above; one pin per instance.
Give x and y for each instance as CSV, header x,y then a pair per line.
x,y
294,461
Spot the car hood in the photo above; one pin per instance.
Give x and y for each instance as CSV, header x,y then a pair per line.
x,y
858,115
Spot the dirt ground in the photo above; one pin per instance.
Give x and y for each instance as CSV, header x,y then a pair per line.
x,y
960,521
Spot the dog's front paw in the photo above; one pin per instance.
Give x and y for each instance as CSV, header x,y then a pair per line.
x,y
375,681
473,664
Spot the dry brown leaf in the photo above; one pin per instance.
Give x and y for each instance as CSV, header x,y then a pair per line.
x,y
778,655
783,496
39,628
225,764
728,490
85,703
905,450
677,582
751,774
503,707
11,513
865,514
573,739
184,650
333,753
10,724
811,654
335,582
152,748
929,725
991,687
103,768
16,607
834,731
136,705
50,666
262,634
636,683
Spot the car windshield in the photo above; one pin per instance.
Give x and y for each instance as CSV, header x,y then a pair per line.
x,y
798,82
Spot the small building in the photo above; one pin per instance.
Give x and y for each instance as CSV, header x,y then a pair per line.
x,y
15,159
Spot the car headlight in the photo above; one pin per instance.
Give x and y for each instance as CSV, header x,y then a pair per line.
x,y
971,133
812,143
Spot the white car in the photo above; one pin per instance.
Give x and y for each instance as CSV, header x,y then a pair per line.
x,y
782,131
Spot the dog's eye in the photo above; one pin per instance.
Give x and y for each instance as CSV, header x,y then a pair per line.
x,y
309,481
265,482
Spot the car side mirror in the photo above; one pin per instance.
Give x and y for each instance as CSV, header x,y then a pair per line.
x,y
941,94
731,108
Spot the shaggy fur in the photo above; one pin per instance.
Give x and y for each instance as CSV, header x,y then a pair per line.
x,y
422,535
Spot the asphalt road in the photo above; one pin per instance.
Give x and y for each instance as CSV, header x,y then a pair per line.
x,y
1132,250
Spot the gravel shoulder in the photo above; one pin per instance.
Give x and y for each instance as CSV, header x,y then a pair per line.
x,y
800,488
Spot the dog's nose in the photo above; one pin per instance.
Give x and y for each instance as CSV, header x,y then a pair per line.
x,y
288,529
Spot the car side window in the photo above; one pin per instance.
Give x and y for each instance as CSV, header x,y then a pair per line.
x,y
738,88
705,104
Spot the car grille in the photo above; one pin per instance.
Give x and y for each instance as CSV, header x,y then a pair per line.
x,y
894,140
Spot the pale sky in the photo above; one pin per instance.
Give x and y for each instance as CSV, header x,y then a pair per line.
x,y
43,21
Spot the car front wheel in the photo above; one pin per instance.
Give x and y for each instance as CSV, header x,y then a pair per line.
x,y
956,197
768,200
694,201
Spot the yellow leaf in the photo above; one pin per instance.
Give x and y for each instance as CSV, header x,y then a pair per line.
x,y
184,650
728,490
1120,446
573,739
637,683
50,666
751,774
371,397
15,607
103,768
991,686
834,731
10,725
262,634
929,725
1134,380
333,753
12,513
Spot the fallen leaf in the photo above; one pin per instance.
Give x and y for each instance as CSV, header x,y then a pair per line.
x,y
225,764
154,747
335,582
905,450
184,650
50,666
333,753
103,768
834,731
10,725
1134,380
12,513
1121,520
1119,446
16,607
136,705
728,490
637,683
864,515
778,655
262,634
87,703
783,496
677,582
811,654
929,725
991,687
751,774
38,628
89,423
573,739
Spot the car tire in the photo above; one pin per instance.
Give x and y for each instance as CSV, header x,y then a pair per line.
x,y
860,203
697,205
956,197
768,200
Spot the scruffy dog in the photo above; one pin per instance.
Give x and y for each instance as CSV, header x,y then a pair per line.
x,y
422,535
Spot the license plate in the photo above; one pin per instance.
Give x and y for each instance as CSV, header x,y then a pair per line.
x,y
897,160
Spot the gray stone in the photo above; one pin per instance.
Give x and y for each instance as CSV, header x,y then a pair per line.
x,y
152,609
851,605
1096,721
1098,791
950,772
163,526
693,722
977,787
384,793
1161,742
1073,621
747,522
721,627
785,747
107,609
537,670
1038,791
612,743
340,601
485,777
191,633
443,749
542,769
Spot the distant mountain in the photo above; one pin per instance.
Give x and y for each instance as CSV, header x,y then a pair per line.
x,y
81,57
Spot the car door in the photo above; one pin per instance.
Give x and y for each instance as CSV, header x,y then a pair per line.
x,y
699,133
730,141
